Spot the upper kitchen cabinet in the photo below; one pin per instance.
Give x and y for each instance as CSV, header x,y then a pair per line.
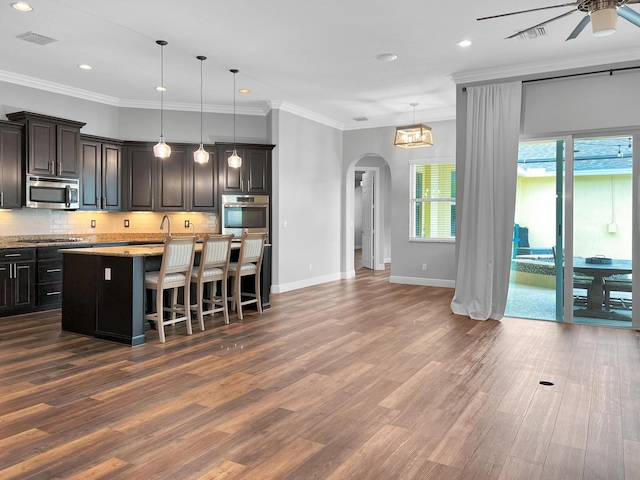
x,y
10,165
253,177
101,166
138,177
51,145
156,184
204,182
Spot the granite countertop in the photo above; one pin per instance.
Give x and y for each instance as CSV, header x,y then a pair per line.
x,y
31,241
150,250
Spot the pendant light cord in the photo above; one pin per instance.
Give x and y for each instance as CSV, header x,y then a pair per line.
x,y
162,90
234,108
201,60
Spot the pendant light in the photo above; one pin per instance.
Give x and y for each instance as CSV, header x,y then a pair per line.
x,y
416,135
201,156
161,149
234,161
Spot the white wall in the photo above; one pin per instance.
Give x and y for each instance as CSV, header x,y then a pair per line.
x,y
406,257
307,183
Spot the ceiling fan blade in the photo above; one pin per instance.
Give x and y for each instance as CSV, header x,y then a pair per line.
x,y
628,14
517,34
578,30
572,4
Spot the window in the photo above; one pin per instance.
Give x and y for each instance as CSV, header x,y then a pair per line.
x,y
433,203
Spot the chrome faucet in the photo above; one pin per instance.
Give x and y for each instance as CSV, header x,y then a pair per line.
x,y
166,217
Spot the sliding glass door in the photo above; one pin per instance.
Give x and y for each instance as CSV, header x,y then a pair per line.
x,y
574,231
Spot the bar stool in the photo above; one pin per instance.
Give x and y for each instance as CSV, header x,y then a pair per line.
x,y
175,272
249,263
213,268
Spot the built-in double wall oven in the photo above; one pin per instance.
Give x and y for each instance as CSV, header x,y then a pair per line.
x,y
242,213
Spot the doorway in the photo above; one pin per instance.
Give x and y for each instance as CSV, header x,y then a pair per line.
x,y
381,220
574,231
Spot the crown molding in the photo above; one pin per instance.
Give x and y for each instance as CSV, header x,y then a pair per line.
x,y
191,107
543,68
304,113
32,82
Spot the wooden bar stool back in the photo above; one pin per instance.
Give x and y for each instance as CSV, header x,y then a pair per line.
x,y
249,263
213,268
175,272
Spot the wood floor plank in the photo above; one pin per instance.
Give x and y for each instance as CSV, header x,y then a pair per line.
x,y
357,378
604,455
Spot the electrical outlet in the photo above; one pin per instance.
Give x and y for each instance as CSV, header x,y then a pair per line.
x,y
126,224
424,266
187,224
93,224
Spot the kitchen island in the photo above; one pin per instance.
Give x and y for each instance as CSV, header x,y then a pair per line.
x,y
104,294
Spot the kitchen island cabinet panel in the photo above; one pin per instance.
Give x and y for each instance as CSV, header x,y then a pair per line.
x,y
79,308
120,297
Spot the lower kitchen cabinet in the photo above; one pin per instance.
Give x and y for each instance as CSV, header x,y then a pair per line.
x,y
17,281
49,278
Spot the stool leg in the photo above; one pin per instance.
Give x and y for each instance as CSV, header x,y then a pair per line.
x,y
258,300
187,301
159,310
225,306
200,305
237,292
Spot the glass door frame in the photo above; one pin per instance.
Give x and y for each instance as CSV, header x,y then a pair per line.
x,y
566,227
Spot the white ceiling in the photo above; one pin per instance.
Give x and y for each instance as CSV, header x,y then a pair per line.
x,y
317,58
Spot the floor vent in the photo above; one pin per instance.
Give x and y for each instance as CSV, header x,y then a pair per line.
x,y
533,33
36,38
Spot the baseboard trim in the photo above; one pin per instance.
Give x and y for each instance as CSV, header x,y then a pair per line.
x,y
309,282
425,282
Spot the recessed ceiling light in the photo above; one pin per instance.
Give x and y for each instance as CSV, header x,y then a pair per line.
x,y
161,89
245,90
22,6
84,66
386,57
464,43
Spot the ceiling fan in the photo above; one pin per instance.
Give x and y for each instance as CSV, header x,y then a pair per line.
x,y
601,13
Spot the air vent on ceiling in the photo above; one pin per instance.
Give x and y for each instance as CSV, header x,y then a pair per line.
x,y
360,119
36,38
533,33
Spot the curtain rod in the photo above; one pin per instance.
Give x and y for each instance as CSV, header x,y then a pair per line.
x,y
609,71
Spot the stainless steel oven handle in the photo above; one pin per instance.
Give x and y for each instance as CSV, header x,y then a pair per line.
x,y
67,200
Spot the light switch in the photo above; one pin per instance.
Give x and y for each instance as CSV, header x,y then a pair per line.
x,y
107,273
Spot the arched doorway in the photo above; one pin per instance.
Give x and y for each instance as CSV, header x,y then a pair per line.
x,y
378,169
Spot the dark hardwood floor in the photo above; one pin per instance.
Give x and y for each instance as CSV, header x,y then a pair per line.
x,y
354,379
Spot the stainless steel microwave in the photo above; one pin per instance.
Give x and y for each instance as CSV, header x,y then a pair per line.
x,y
53,193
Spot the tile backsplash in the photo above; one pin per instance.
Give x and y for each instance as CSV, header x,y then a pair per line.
x,y
31,221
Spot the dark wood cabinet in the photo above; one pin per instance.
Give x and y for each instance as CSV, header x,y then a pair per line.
x,y
203,195
51,145
101,165
10,165
138,177
253,177
174,184
172,180
17,281
49,278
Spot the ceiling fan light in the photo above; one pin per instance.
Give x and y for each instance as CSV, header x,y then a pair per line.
x,y
603,22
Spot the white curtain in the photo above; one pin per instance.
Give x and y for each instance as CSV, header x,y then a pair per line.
x,y
489,174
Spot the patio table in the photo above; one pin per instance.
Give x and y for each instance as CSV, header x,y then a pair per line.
x,y
595,292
